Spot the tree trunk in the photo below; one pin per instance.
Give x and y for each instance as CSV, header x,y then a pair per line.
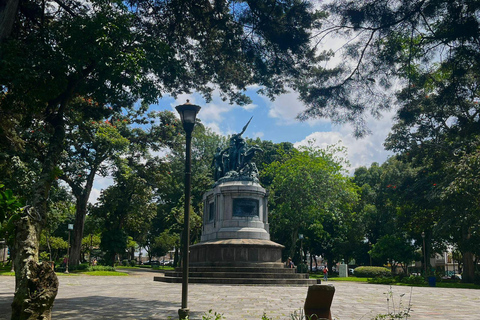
x,y
78,227
8,13
36,285
468,274
293,246
82,196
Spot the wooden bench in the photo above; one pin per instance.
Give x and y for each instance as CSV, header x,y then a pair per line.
x,y
318,302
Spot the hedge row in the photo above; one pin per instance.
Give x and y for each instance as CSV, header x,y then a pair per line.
x,y
372,272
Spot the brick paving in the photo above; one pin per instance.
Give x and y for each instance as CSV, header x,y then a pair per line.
x,y
138,297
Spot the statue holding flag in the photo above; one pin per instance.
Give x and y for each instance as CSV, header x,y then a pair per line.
x,y
235,162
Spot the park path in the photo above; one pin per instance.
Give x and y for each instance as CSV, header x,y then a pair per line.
x,y
138,297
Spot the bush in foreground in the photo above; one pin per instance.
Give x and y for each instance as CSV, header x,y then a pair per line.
x,y
100,268
372,272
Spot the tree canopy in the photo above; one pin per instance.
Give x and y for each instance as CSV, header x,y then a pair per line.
x,y
420,50
310,195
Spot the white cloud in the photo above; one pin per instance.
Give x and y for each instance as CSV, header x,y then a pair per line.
x,y
249,107
214,126
94,194
99,184
213,113
286,108
361,152
257,135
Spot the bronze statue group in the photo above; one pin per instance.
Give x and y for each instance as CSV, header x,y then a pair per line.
x,y
236,160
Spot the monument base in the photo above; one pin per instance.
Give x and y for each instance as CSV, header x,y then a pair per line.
x,y
237,253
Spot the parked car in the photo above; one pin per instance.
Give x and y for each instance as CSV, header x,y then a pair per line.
x,y
152,263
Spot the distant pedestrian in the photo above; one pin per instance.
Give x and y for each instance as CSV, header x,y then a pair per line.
x,y
325,273
290,264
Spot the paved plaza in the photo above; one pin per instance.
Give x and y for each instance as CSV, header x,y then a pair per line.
x,y
138,297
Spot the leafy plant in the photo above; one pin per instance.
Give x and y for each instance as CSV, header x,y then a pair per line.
x,y
8,203
213,316
413,280
382,280
372,272
264,317
395,311
44,256
476,280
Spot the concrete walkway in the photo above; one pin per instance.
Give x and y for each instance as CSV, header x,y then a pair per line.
x,y
138,297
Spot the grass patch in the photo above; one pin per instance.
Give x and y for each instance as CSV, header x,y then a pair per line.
x,y
104,273
163,268
457,285
147,267
5,271
351,279
92,273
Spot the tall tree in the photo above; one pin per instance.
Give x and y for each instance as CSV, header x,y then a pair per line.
x,y
310,193
122,207
421,56
460,219
95,145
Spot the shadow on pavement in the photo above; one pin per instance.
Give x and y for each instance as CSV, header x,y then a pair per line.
x,y
100,307
5,305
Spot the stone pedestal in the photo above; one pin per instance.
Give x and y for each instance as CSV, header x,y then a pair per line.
x,y
343,271
237,253
235,228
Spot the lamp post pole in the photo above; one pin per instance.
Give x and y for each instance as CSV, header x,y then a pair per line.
x,y
70,227
424,254
188,114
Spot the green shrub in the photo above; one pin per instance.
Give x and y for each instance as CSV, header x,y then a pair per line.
x,y
302,268
44,256
82,266
476,279
133,263
413,280
372,272
382,280
100,268
125,262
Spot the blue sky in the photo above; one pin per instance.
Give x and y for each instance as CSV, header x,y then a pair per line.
x,y
275,121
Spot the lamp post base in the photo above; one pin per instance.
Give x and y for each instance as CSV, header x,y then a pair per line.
x,y
183,313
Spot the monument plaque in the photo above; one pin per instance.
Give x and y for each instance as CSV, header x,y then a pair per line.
x,y
245,207
211,211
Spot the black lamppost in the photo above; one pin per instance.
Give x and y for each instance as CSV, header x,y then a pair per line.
x,y
188,113
424,254
70,227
